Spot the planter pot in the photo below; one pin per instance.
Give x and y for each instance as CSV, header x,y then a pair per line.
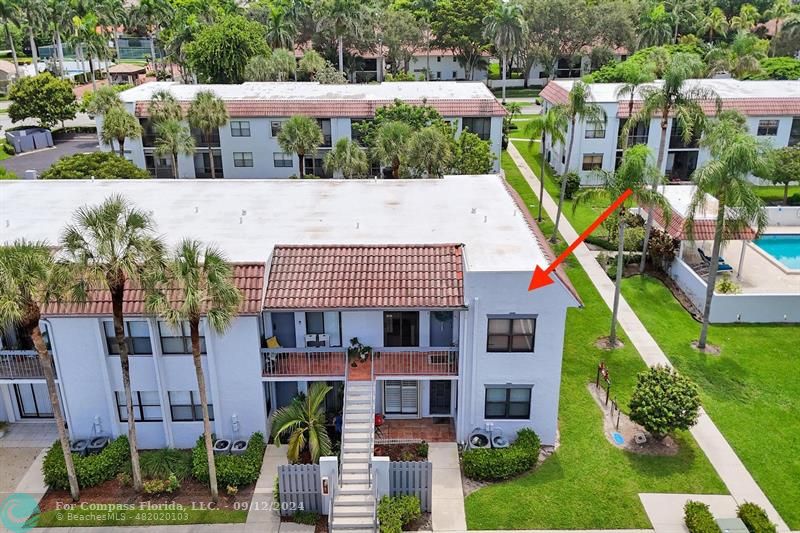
x,y
222,446
238,447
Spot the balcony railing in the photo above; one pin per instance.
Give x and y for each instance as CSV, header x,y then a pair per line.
x,y
416,361
20,364
304,361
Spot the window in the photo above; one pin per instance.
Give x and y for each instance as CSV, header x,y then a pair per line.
x,y
282,160
202,164
480,126
767,128
275,127
592,162
146,406
324,323
400,328
243,159
178,341
507,402
511,334
186,407
240,128
137,337
203,140
676,139
455,74
439,75
568,68
794,133
595,130
438,59
325,126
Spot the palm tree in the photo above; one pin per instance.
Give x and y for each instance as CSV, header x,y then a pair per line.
x,y
29,277
343,17
173,138
282,65
152,14
102,100
348,158
637,173
389,144
59,13
119,125
714,24
656,28
9,14
779,11
673,97
36,18
85,37
735,154
111,245
741,58
633,76
258,68
504,26
430,152
163,106
281,31
205,286
746,19
112,14
578,107
680,10
311,63
304,422
300,135
208,114
552,123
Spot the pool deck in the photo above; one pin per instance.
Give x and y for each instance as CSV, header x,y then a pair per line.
x,y
760,274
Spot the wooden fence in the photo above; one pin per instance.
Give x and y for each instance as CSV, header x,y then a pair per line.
x,y
412,478
299,489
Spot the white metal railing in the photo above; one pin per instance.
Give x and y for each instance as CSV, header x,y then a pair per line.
x,y
304,361
416,361
20,364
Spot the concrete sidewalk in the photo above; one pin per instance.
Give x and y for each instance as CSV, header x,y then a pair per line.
x,y
448,497
730,469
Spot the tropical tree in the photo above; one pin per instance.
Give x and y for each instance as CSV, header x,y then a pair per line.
x,y
258,68
9,14
163,106
46,98
656,27
784,168
430,152
303,421
552,123
152,14
504,26
208,114
173,139
29,277
119,125
746,19
36,19
281,65
219,52
673,97
342,17
86,38
300,135
779,11
205,286
637,173
311,63
389,144
714,24
102,100
59,13
741,58
633,77
112,15
735,154
111,245
281,31
348,158
579,106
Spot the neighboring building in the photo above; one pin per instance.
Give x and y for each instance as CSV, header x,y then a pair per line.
x,y
127,73
7,75
433,274
247,146
772,109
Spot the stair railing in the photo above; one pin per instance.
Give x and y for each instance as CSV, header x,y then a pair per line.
x,y
373,484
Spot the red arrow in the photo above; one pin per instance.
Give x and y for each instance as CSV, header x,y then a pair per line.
x,y
541,278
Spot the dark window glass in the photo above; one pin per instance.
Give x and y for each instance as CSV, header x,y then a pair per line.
x,y
275,127
158,166
794,133
401,328
676,137
508,402
243,159
240,128
480,126
202,164
315,322
592,162
186,407
325,126
282,160
146,406
568,68
638,134
767,128
511,335
178,340
137,337
203,139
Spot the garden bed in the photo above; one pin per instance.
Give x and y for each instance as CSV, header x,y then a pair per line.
x,y
403,452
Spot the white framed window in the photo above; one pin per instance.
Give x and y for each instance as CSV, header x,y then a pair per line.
x,y
592,162
146,406
767,128
178,341
240,128
137,337
511,334
282,160
595,130
507,402
185,406
243,159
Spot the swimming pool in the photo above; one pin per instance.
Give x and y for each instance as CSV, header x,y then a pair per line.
x,y
784,248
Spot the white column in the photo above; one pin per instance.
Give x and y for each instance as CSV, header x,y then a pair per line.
x,y
380,475
741,261
111,398
158,366
329,478
216,398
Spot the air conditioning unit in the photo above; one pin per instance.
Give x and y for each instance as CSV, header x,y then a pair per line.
x,y
317,340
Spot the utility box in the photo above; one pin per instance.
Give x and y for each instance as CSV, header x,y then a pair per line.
x,y
731,525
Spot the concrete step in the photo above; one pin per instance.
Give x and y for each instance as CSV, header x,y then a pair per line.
x,y
358,418
358,409
364,510
355,479
355,530
354,437
349,457
359,427
356,447
353,499
352,522
355,489
355,468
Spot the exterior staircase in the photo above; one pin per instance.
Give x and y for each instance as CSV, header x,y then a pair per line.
x,y
354,501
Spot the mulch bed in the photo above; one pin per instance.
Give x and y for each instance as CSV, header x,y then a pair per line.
x,y
400,452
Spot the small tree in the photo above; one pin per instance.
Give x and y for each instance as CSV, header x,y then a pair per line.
x,y
430,152
173,139
119,125
220,51
303,421
389,144
783,168
48,99
300,135
348,158
99,165
311,63
473,155
664,401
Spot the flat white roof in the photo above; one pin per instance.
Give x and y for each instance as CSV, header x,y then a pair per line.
x,y
680,196
246,218
403,90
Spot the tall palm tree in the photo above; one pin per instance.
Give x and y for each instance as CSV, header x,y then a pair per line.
x,y
429,152
59,13
173,139
714,24
579,106
281,31
85,37
9,14
36,19
746,19
348,158
656,28
637,173
343,17
735,154
103,99
303,421
679,11
29,277
504,26
552,123
163,106
389,144
205,287
112,14
152,14
634,76
780,10
673,97
111,245
300,135
208,113
119,125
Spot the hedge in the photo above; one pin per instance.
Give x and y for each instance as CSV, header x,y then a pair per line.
x,y
698,518
396,512
91,470
233,470
494,464
755,518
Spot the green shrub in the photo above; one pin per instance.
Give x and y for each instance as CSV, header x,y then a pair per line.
x,y
726,285
664,401
794,199
6,174
91,470
422,449
161,486
755,518
573,184
7,148
308,518
396,512
238,470
698,518
488,464
101,165
159,464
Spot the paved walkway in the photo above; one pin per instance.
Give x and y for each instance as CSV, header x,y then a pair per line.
x,y
261,510
730,469
448,496
666,510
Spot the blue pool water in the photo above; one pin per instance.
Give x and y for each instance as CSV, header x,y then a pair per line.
x,y
784,248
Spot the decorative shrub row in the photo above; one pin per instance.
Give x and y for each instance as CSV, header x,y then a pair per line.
x,y
396,512
755,518
486,464
91,470
698,518
233,470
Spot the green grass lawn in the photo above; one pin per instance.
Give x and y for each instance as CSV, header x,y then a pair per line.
x,y
751,390
118,516
588,482
774,194
517,92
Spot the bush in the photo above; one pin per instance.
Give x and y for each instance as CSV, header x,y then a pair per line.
x,y
6,174
7,148
238,470
396,512
755,518
794,199
161,486
727,286
308,518
91,470
100,165
664,401
698,518
486,464
159,464
662,248
422,449
573,184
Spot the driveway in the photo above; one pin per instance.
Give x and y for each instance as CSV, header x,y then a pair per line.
x,y
41,160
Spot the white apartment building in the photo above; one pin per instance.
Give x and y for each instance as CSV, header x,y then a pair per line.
x,y
247,146
432,274
772,109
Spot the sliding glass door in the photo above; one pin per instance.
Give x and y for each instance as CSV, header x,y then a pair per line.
x,y
400,397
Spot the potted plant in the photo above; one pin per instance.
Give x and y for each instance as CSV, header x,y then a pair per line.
x,y
359,351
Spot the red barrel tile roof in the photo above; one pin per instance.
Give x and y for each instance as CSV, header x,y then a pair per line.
x,y
366,276
703,229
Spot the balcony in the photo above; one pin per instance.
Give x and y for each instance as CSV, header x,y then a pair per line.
x,y
20,364
416,361
287,362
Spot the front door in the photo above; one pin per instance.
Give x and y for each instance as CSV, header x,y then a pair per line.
x,y
400,397
441,328
283,329
440,397
33,400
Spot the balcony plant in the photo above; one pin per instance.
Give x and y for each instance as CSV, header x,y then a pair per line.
x,y
359,351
